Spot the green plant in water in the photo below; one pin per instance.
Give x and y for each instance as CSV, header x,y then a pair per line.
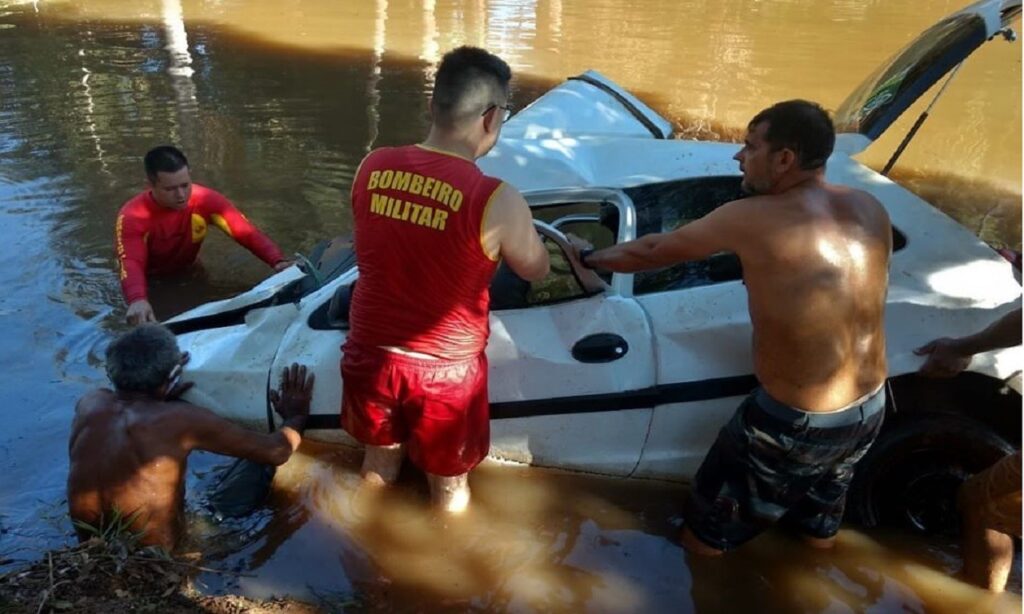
x,y
117,536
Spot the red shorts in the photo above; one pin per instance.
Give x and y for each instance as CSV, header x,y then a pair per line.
x,y
438,408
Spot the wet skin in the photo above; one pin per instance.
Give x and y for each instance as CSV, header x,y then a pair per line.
x,y
815,262
129,452
816,268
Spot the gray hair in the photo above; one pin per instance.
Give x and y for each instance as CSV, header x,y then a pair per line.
x,y
141,360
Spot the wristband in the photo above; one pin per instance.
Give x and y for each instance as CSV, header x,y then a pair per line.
x,y
583,257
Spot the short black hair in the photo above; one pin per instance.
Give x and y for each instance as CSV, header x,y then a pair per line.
x,y
468,80
801,126
164,159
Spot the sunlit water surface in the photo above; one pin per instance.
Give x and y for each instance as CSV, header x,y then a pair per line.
x,y
275,103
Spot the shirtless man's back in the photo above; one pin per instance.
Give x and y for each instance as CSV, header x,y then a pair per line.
x,y
815,265
129,447
815,262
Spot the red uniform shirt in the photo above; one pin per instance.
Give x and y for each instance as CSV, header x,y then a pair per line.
x,y
150,238
423,274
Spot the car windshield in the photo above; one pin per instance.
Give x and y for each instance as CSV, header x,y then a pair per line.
x,y
891,89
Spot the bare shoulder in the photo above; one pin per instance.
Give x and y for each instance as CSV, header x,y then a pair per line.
x,y
740,206
869,201
855,196
186,416
506,196
504,205
747,212
861,204
172,420
95,400
95,409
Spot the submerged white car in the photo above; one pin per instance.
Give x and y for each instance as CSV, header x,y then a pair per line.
x,y
632,375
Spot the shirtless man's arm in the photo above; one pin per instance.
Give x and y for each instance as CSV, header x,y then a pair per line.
x,y
205,430
948,357
699,239
508,233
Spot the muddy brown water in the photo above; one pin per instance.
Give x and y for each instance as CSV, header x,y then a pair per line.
x,y
275,103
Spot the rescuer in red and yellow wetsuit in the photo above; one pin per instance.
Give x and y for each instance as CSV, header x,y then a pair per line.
x,y
430,228
161,230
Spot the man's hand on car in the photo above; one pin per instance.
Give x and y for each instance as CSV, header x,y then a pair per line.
x,y
945,358
291,399
578,245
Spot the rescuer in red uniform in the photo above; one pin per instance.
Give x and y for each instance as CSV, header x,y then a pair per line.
x,y
161,230
430,228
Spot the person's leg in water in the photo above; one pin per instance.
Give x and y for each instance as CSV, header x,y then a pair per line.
x,y
450,494
370,412
453,433
771,463
988,554
990,505
381,464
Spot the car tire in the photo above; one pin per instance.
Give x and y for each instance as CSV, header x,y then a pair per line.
x,y
910,476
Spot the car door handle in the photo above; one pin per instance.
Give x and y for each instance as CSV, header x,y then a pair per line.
x,y
600,347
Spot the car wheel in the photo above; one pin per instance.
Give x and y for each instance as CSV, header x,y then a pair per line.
x,y
910,476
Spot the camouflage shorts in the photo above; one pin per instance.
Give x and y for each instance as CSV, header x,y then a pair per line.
x,y
774,463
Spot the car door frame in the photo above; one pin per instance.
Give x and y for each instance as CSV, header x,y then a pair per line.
x,y
603,424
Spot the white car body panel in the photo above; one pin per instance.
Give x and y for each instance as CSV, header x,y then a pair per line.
x,y
530,359
705,336
229,365
575,108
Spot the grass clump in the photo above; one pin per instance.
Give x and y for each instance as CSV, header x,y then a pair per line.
x,y
112,572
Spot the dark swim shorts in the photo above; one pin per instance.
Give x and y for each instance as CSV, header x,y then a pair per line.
x,y
774,463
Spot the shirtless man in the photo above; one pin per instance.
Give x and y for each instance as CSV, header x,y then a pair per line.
x,y
815,262
161,229
129,447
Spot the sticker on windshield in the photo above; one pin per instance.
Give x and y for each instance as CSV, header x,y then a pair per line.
x,y
885,92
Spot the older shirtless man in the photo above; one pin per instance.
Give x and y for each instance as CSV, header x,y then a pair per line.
x,y
815,262
129,446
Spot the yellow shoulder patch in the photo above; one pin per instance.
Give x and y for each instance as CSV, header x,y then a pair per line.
x,y
221,223
198,228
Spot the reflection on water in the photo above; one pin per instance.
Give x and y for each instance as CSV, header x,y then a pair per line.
x,y
275,103
540,540
992,213
706,65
